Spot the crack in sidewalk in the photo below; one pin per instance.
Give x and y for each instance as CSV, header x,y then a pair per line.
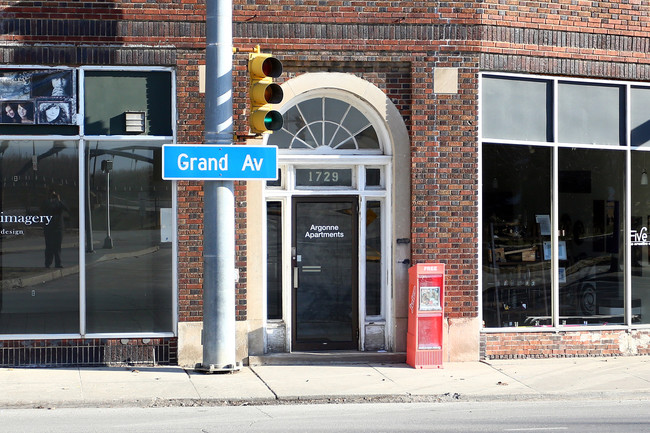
x,y
264,382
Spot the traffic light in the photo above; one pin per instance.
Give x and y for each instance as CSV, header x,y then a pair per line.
x,y
262,68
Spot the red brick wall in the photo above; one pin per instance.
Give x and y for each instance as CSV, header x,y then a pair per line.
x,y
394,45
444,177
565,344
570,15
567,30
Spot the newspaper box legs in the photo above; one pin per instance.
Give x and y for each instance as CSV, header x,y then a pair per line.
x,y
426,305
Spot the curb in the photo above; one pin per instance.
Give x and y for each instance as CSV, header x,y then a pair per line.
x,y
331,399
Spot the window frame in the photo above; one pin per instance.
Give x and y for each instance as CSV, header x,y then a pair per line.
x,y
82,141
627,147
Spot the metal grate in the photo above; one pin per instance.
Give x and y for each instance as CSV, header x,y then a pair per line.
x,y
99,352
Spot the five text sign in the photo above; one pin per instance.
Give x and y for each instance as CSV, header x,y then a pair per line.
x,y
210,162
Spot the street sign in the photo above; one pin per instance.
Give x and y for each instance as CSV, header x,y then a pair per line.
x,y
210,162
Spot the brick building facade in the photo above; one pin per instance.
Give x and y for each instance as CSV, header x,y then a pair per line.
x,y
420,73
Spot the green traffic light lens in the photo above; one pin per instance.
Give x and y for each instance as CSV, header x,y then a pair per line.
x,y
273,121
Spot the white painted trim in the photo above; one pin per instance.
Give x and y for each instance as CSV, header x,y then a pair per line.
x,y
82,235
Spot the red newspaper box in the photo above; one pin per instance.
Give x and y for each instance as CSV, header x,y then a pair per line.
x,y
426,305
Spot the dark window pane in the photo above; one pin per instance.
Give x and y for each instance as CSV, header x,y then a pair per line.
x,y
640,224
312,110
591,238
108,94
373,177
335,110
516,227
39,237
367,139
129,275
373,258
274,260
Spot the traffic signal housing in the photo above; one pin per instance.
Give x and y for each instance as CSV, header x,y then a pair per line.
x,y
262,69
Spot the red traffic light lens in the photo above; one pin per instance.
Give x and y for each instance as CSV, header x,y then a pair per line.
x,y
272,67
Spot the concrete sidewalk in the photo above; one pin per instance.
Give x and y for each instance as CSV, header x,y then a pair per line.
x,y
569,378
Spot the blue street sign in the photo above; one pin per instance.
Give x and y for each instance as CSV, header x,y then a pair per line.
x,y
210,162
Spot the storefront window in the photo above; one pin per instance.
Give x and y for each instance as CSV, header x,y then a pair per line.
x,y
39,235
128,205
516,233
640,224
116,210
591,261
554,232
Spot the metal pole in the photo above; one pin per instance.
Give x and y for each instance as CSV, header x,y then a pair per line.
x,y
108,241
219,351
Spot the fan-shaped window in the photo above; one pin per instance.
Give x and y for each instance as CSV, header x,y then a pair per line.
x,y
326,124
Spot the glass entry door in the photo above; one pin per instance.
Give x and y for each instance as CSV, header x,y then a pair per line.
x,y
325,267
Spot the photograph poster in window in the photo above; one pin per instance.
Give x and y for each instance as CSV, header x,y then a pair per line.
x,y
37,97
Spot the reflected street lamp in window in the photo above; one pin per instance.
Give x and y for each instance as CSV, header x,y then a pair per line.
x,y
107,166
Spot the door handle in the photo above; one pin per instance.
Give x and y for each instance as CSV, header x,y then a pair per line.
x,y
311,268
295,277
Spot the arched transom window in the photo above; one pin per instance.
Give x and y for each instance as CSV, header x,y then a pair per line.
x,y
324,124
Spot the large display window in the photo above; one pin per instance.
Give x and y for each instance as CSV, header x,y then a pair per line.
x,y
516,221
87,227
129,214
39,237
565,202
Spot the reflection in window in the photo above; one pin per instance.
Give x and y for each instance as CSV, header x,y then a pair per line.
x,y
39,231
591,223
325,123
128,216
373,258
516,227
274,260
640,116
640,224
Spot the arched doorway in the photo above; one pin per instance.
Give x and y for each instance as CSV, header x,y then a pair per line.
x,y
330,218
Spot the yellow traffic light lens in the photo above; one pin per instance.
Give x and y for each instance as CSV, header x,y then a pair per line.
x,y
273,94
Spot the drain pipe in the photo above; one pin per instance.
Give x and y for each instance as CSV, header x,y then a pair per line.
x,y
219,350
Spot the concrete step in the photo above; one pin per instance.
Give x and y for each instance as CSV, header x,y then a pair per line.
x,y
328,358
